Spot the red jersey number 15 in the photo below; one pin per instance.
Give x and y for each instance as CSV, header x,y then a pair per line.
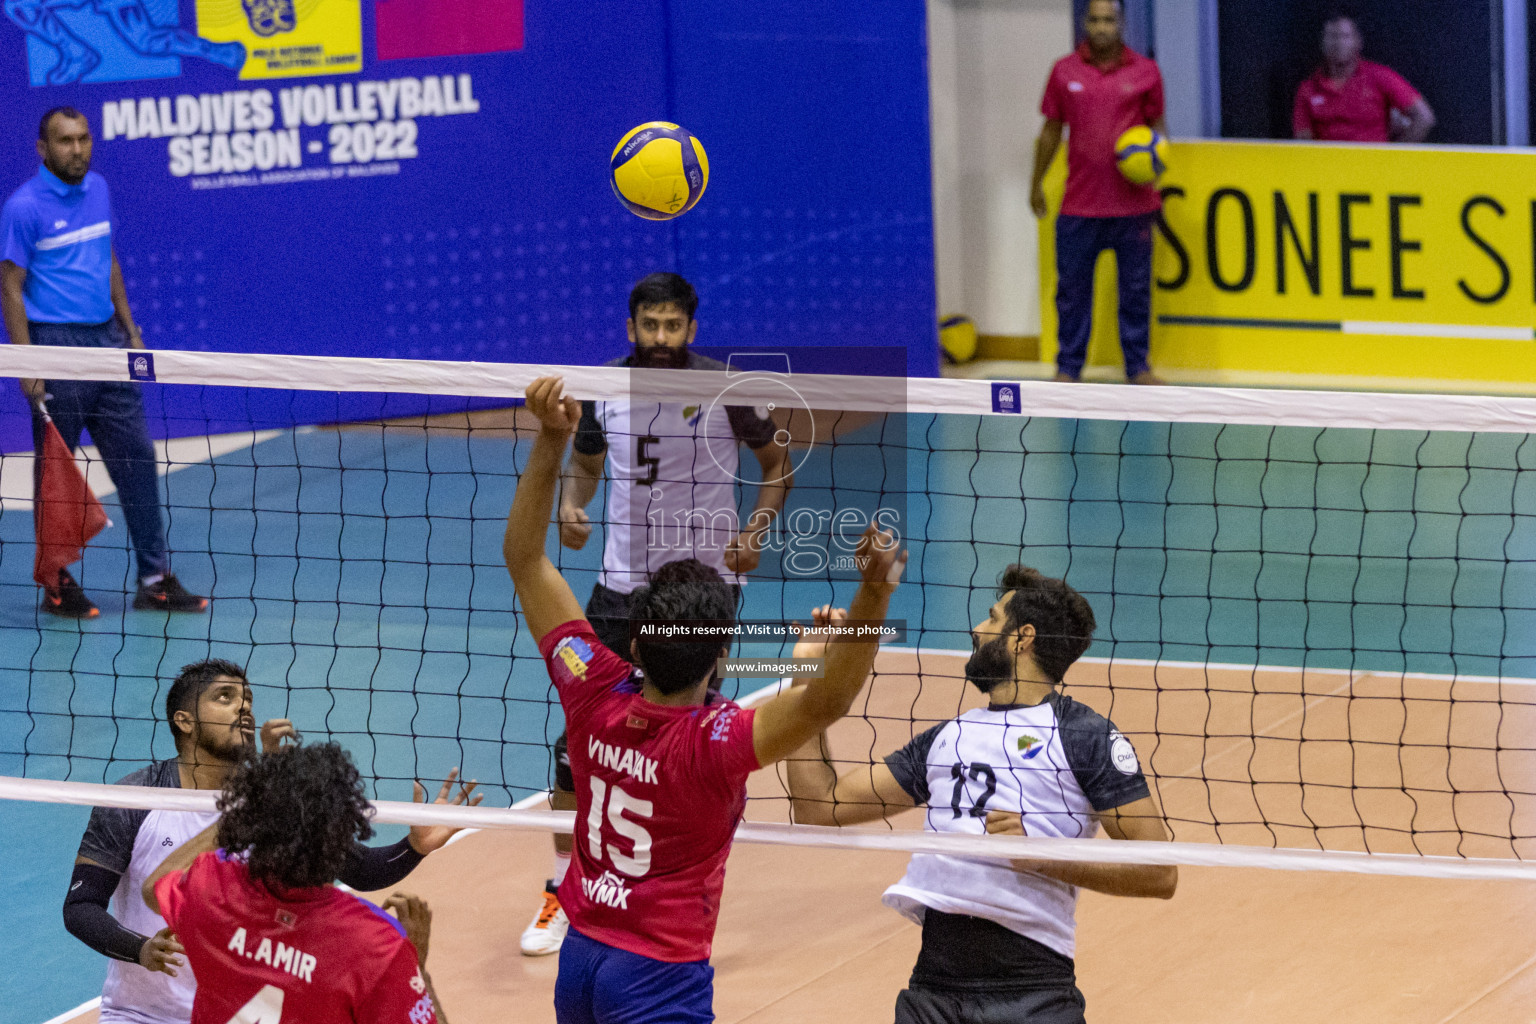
x,y
617,802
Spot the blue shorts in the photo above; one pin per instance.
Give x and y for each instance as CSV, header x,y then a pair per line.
x,y
602,984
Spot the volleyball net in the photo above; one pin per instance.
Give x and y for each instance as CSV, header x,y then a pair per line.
x,y
1315,610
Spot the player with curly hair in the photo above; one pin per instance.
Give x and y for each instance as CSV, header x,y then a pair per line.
x,y
209,711
999,936
268,935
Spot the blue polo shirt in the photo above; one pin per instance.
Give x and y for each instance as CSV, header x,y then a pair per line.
x,y
61,235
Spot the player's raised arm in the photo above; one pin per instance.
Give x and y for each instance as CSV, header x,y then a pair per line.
x,y
546,598
790,720
1139,820
817,794
180,860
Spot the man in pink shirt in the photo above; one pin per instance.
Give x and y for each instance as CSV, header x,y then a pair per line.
x,y
1098,91
1353,100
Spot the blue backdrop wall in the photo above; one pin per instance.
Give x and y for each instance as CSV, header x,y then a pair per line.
x,y
428,178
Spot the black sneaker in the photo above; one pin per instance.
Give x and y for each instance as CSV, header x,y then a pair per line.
x,y
67,600
168,595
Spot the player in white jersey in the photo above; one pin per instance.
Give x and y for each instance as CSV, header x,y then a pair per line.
x,y
999,935
672,471
209,712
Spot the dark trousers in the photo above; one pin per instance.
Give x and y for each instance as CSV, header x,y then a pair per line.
x,y
113,411
917,1005
1079,240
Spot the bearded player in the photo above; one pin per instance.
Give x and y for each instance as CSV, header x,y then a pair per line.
x,y
999,936
271,938
210,717
671,495
660,775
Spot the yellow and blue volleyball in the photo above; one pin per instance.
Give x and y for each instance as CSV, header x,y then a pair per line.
x,y
659,170
1141,154
957,339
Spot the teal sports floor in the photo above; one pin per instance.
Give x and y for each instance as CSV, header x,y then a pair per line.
x,y
357,574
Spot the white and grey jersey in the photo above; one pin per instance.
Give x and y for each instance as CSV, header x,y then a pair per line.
x,y
1055,763
673,470
134,843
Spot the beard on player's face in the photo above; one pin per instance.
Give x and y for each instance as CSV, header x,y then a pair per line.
x,y
990,664
224,728
661,356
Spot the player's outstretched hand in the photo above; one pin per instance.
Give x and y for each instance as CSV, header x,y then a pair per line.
x,y
277,733
427,839
812,642
744,552
159,952
416,918
546,400
881,558
575,527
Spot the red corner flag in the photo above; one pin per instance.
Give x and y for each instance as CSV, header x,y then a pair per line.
x,y
65,512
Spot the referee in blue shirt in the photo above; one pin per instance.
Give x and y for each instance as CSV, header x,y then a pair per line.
x,y
60,285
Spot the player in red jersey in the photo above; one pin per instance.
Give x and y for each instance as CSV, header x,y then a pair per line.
x,y
660,767
270,938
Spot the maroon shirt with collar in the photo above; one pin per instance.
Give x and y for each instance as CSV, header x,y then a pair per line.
x,y
1097,102
1357,110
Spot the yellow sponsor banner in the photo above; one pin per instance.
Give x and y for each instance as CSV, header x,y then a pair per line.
x,y
288,38
1325,259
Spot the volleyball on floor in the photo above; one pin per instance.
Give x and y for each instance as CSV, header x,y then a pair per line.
x,y
1141,154
659,170
957,339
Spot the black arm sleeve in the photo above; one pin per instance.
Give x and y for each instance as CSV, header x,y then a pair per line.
x,y
909,765
86,917
379,867
590,439
751,429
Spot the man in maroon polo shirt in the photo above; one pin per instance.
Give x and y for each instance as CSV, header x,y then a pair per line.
x,y
1353,100
1099,91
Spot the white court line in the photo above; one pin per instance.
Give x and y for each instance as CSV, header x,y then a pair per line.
x,y
1224,666
69,1015
170,455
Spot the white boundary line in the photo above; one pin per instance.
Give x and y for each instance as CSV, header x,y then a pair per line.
x,y
1222,666
69,1015
1416,412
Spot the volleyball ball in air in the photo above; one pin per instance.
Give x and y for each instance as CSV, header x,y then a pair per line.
x,y
1141,154
659,170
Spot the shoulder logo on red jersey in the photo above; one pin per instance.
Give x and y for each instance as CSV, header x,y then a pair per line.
x,y
575,654
720,729
423,1012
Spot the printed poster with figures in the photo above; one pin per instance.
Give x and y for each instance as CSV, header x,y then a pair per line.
x,y
287,38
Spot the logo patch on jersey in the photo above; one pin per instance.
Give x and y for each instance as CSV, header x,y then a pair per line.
x,y
286,918
721,729
575,654
1030,746
691,415
1122,754
636,722
422,1013
609,890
